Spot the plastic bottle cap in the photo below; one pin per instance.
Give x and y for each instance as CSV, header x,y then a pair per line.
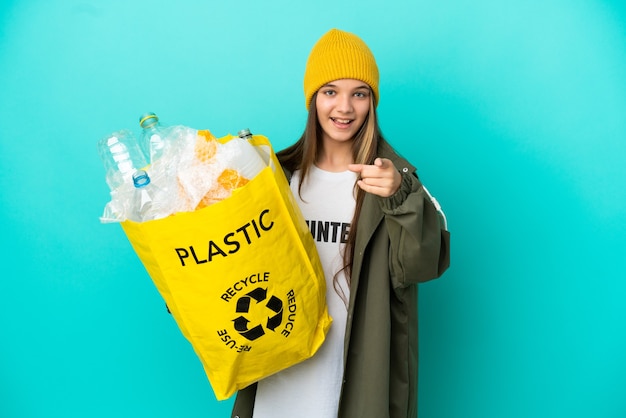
x,y
141,178
148,119
244,133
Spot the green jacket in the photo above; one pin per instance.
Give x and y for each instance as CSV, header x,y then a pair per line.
x,y
399,243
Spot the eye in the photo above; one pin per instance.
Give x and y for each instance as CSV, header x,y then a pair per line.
x,y
328,92
361,94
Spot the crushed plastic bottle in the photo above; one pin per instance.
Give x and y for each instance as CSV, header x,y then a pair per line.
x,y
167,147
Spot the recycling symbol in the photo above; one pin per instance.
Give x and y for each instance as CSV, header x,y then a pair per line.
x,y
274,307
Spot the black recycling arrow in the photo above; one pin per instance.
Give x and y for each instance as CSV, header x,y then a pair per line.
x,y
243,304
241,325
275,305
259,294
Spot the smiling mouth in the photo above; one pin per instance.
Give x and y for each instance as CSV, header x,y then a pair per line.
x,y
341,121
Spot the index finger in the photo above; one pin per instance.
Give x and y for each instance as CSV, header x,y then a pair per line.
x,y
357,168
383,162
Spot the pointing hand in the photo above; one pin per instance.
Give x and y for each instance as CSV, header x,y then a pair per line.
x,y
381,178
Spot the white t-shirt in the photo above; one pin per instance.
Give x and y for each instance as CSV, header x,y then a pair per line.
x,y
311,389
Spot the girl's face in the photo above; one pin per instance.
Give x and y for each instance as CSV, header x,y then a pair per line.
x,y
342,107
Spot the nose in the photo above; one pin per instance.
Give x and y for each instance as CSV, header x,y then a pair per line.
x,y
344,103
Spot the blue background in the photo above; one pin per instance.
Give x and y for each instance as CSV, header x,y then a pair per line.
x,y
514,113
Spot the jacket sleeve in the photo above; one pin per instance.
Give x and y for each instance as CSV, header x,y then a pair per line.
x,y
419,240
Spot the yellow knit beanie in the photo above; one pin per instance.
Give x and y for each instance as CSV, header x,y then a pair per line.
x,y
338,55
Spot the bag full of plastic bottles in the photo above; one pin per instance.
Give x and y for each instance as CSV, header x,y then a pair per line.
x,y
214,222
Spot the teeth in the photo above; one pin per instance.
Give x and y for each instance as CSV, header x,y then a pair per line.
x,y
342,120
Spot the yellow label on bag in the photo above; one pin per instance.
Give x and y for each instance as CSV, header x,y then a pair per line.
x,y
242,279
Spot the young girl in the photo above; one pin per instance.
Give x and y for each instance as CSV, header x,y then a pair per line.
x,y
378,233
